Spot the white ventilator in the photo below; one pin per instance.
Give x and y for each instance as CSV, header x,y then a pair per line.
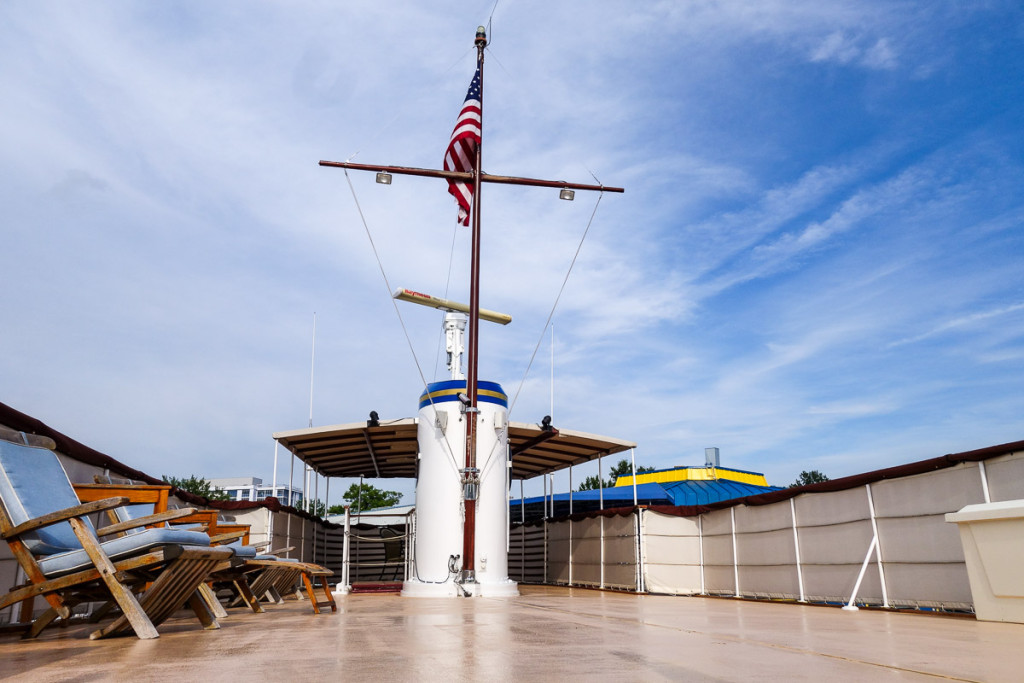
x,y
441,433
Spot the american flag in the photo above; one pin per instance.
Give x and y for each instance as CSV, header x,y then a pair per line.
x,y
461,152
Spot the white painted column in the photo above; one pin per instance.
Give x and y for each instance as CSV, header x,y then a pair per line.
x,y
984,481
735,557
632,461
796,549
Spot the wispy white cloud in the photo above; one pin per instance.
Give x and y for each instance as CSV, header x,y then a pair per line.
x,y
782,223
961,323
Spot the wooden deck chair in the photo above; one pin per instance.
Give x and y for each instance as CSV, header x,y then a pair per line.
x,y
270,576
57,546
283,577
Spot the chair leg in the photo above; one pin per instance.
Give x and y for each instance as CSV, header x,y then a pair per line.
x,y
242,586
44,620
211,601
129,604
197,602
310,593
276,597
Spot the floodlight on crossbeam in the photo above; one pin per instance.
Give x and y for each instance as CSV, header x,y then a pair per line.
x,y
566,194
384,178
447,305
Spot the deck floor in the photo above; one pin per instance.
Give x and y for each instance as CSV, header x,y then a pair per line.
x,y
548,633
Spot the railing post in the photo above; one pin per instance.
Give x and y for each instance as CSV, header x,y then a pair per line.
x,y
735,558
796,550
346,583
700,543
984,481
878,547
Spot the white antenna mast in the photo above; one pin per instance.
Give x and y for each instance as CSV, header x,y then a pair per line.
x,y
552,411
312,367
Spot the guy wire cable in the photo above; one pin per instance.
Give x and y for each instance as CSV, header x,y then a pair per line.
x,y
555,305
394,304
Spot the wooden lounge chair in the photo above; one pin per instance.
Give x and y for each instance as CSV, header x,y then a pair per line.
x,y
270,576
57,546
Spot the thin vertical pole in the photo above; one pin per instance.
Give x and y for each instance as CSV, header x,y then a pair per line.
x,y
850,606
291,503
273,492
469,526
522,503
327,506
544,504
638,548
570,551
305,487
551,488
552,413
632,464
346,552
600,482
316,499
312,366
878,547
735,558
984,481
796,549
570,489
700,545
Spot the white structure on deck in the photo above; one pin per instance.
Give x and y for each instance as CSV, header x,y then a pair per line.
x,y
431,448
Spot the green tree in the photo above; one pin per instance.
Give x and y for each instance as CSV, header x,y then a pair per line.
x,y
623,468
805,478
198,486
316,507
368,497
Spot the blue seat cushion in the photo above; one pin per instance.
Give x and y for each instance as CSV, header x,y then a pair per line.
x,y
246,552
32,484
120,548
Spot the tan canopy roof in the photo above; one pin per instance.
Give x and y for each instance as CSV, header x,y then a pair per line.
x,y
389,450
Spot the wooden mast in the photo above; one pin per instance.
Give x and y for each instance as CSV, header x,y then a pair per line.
x,y
470,473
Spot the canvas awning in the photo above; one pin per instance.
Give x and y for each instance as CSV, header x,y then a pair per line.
x,y
389,449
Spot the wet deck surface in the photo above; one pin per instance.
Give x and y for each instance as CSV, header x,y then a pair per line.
x,y
547,633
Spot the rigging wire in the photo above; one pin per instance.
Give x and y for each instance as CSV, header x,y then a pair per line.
x,y
555,305
394,304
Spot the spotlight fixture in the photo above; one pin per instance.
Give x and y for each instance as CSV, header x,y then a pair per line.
x,y
374,420
385,178
565,193
545,424
463,398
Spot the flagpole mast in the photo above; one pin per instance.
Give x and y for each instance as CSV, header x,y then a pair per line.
x,y
470,475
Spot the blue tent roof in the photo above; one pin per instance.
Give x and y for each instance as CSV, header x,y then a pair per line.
x,y
665,493
646,494
705,492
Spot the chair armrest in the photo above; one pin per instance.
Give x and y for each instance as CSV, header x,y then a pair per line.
x,y
21,438
279,551
226,538
158,518
64,515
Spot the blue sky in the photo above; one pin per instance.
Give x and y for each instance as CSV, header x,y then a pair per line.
x,y
816,263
